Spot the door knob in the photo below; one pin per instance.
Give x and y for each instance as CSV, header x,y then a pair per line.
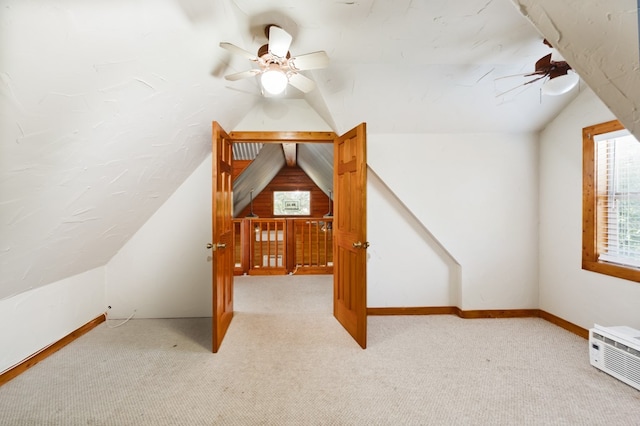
x,y
359,244
218,245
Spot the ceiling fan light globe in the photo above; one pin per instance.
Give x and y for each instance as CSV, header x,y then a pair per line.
x,y
274,81
560,85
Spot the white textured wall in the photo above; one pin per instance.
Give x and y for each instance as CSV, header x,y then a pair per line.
x,y
465,217
477,195
164,269
406,266
33,320
579,296
454,223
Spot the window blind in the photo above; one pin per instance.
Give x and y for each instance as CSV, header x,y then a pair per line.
x,y
618,193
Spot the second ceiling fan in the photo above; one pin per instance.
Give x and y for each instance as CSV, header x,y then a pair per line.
x,y
559,77
276,67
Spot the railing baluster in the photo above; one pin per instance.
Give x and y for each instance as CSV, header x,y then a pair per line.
x,y
316,230
311,241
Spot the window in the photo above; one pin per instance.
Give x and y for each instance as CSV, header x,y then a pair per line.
x,y
291,203
611,201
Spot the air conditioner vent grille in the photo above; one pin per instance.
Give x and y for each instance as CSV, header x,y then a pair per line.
x,y
621,363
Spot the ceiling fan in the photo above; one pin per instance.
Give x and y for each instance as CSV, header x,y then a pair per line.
x,y
559,81
276,67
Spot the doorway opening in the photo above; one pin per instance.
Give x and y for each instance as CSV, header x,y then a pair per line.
x,y
283,206
349,226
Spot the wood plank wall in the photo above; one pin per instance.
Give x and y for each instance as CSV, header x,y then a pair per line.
x,y
288,179
238,167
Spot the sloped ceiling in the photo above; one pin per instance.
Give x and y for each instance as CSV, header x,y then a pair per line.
x,y
316,159
441,61
257,175
106,108
106,105
601,43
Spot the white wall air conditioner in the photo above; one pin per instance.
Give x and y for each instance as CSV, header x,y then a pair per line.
x,y
616,351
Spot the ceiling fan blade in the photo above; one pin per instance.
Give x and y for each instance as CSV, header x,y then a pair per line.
x,y
525,74
279,41
543,63
541,72
238,51
302,83
534,80
310,61
523,84
241,75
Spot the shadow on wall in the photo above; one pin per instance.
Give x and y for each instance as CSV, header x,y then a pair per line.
x,y
407,266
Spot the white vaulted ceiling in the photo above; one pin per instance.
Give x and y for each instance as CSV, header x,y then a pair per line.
x,y
106,105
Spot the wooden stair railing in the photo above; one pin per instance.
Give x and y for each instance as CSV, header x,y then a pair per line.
x,y
280,246
313,246
267,242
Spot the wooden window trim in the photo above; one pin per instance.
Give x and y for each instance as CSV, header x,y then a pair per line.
x,y
590,207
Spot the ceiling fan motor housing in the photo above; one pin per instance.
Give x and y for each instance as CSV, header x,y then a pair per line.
x,y
264,50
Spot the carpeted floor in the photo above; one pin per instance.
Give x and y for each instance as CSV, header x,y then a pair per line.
x,y
286,361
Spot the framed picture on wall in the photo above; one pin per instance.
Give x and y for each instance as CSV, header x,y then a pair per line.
x,y
291,203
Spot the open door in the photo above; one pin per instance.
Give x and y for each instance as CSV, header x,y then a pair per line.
x,y
350,233
222,243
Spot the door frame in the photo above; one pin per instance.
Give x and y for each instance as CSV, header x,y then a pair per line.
x,y
279,137
292,137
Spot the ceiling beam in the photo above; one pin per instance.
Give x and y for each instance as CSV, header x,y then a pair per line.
x,y
289,150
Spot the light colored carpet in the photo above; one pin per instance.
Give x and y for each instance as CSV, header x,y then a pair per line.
x,y
286,361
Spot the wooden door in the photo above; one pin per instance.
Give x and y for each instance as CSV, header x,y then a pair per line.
x,y
350,233
222,243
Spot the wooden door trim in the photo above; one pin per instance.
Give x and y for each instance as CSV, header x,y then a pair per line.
x,y
279,137
323,137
